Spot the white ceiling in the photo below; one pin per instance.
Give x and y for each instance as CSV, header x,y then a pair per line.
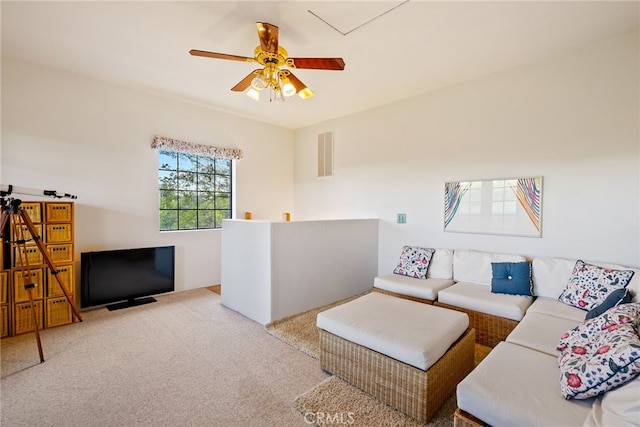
x,y
392,50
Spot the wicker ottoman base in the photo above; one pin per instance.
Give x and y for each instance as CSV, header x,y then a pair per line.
x,y
415,392
490,330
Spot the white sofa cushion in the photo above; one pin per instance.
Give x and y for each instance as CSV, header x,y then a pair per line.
x,y
478,297
553,307
619,407
514,385
411,332
551,275
410,286
541,332
441,265
475,266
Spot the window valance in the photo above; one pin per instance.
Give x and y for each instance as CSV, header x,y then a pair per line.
x,y
170,144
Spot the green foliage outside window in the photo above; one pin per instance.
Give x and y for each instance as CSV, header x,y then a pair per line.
x,y
195,191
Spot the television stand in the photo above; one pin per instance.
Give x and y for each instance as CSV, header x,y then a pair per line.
x,y
132,302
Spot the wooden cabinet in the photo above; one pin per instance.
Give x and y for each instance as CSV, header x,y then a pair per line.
x,y
53,221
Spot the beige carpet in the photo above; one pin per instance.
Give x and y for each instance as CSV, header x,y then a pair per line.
x,y
185,360
335,402
334,399
299,330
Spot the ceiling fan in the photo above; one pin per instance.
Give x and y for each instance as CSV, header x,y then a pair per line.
x,y
280,82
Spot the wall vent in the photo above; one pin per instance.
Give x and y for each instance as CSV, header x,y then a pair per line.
x,y
325,154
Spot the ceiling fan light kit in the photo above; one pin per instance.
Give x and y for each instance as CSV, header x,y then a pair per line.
x,y
274,79
280,81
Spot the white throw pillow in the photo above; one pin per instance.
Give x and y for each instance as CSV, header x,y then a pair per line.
x,y
550,275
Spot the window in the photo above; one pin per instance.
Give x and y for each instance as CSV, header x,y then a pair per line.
x,y
195,191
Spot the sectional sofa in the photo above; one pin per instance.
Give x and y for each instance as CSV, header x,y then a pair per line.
x,y
521,382
461,280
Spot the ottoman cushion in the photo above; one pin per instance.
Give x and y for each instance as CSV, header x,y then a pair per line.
x,y
414,333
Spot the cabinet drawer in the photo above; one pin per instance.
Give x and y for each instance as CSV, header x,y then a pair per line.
x,y
24,233
58,233
60,253
33,211
30,252
4,287
58,312
4,312
20,293
59,212
65,274
23,317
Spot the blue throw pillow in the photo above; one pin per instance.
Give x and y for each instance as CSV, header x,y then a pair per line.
x,y
513,278
617,297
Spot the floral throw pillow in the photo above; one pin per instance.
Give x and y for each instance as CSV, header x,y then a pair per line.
x,y
601,353
590,285
414,262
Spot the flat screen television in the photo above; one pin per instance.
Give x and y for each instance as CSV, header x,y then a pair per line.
x,y
126,276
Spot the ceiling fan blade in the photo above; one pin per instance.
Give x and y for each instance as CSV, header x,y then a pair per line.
x,y
246,82
317,63
268,35
204,53
301,89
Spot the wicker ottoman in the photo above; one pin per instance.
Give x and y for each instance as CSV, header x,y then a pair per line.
x,y
407,354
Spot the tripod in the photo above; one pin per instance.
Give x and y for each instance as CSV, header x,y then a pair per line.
x,y
20,225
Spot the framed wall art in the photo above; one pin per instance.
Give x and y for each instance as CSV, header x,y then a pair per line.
x,y
510,206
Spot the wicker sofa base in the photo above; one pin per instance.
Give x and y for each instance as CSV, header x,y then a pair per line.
x,y
464,419
415,392
395,294
490,330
